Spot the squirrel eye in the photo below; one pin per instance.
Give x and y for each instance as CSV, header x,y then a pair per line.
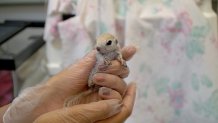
x,y
109,42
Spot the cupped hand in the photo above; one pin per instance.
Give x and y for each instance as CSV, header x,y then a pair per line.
x,y
50,96
105,111
73,80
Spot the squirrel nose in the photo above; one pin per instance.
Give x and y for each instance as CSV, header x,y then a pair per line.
x,y
98,48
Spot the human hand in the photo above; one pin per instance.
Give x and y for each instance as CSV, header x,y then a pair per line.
x,y
110,79
50,96
96,112
126,110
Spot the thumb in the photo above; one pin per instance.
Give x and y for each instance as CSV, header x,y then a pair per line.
x,y
92,112
77,73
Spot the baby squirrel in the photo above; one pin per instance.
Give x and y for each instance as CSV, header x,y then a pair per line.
x,y
108,49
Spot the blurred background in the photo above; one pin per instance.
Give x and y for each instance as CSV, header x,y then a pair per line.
x,y
28,54
22,48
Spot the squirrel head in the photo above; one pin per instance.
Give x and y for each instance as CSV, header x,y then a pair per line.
x,y
106,43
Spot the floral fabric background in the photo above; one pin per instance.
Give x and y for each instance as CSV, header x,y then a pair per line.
x,y
176,66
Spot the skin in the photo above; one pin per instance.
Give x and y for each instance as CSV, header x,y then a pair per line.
x,y
128,104
126,110
75,81
2,111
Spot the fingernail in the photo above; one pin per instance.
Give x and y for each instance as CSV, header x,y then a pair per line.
x,y
105,91
116,106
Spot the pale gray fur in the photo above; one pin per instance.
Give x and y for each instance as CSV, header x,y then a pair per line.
x,y
101,65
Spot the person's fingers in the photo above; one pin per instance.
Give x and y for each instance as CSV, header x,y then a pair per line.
x,y
110,81
128,52
78,73
85,113
128,103
108,93
117,69
129,100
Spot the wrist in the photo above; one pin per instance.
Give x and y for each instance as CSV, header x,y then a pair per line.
x,y
27,106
